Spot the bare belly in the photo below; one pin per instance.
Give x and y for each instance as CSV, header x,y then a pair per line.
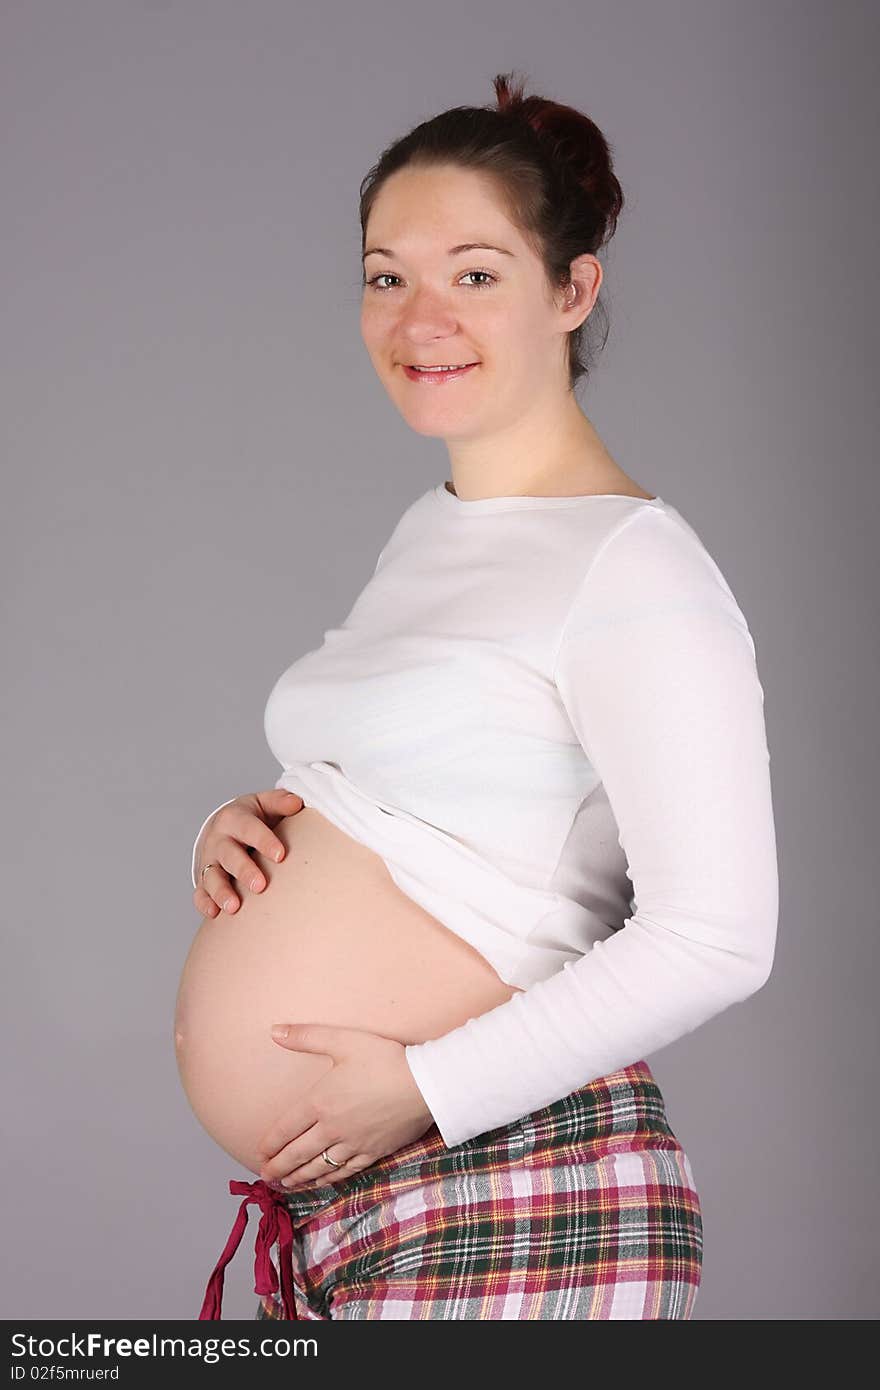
x,y
331,939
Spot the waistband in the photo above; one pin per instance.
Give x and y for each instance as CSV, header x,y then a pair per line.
x,y
608,1113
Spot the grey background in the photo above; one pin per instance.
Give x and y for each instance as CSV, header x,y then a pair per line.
x,y
200,467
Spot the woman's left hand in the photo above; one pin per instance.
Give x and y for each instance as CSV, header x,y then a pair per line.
x,y
367,1105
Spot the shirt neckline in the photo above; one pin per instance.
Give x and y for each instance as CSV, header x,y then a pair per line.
x,y
478,505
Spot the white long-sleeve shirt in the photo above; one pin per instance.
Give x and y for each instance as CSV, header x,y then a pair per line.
x,y
544,714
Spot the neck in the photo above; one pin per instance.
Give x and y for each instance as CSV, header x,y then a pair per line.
x,y
534,456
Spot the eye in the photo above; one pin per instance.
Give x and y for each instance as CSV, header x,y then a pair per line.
x,y
387,275
484,286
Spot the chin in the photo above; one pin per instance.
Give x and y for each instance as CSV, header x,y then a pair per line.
x,y
430,430
431,417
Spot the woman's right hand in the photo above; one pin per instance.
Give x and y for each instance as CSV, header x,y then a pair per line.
x,y
248,821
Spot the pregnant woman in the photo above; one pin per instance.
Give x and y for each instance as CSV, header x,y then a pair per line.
x,y
523,836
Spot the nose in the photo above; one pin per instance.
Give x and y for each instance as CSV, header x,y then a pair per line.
x,y
427,317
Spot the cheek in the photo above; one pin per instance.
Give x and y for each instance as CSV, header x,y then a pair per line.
x,y
532,337
513,339
377,326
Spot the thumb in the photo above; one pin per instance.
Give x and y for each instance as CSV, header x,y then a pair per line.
x,y
279,802
282,797
309,1037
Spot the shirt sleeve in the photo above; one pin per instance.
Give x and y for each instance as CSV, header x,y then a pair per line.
x,y
656,669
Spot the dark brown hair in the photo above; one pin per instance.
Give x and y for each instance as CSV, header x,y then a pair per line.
x,y
552,166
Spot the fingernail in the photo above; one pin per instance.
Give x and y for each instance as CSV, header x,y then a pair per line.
x,y
257,884
280,1030
229,904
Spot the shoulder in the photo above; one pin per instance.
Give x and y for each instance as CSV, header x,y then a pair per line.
x,y
651,563
657,542
409,526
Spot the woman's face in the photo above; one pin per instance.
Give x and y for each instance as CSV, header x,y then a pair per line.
x,y
428,304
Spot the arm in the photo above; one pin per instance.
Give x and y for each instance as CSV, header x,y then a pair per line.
x,y
656,669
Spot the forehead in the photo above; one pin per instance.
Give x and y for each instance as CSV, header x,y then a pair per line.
x,y
430,209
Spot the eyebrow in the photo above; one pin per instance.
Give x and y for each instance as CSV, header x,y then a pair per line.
x,y
453,250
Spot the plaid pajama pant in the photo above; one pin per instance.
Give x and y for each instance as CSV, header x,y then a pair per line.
x,y
586,1208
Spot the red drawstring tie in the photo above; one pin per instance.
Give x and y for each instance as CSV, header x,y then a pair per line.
x,y
275,1224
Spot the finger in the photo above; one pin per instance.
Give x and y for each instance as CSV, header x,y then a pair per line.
x,y
247,831
282,1156
280,799
318,1173
265,842
316,1167
233,855
204,903
216,883
232,863
278,803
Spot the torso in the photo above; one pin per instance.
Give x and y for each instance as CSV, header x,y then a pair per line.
x,y
331,939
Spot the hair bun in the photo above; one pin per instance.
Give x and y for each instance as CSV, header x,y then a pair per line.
x,y
574,145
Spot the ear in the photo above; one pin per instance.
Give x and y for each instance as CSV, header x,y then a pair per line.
x,y
578,300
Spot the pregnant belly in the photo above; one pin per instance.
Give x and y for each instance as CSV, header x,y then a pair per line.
x,y
331,939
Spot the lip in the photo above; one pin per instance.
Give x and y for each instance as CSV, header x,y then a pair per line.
x,y
437,378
